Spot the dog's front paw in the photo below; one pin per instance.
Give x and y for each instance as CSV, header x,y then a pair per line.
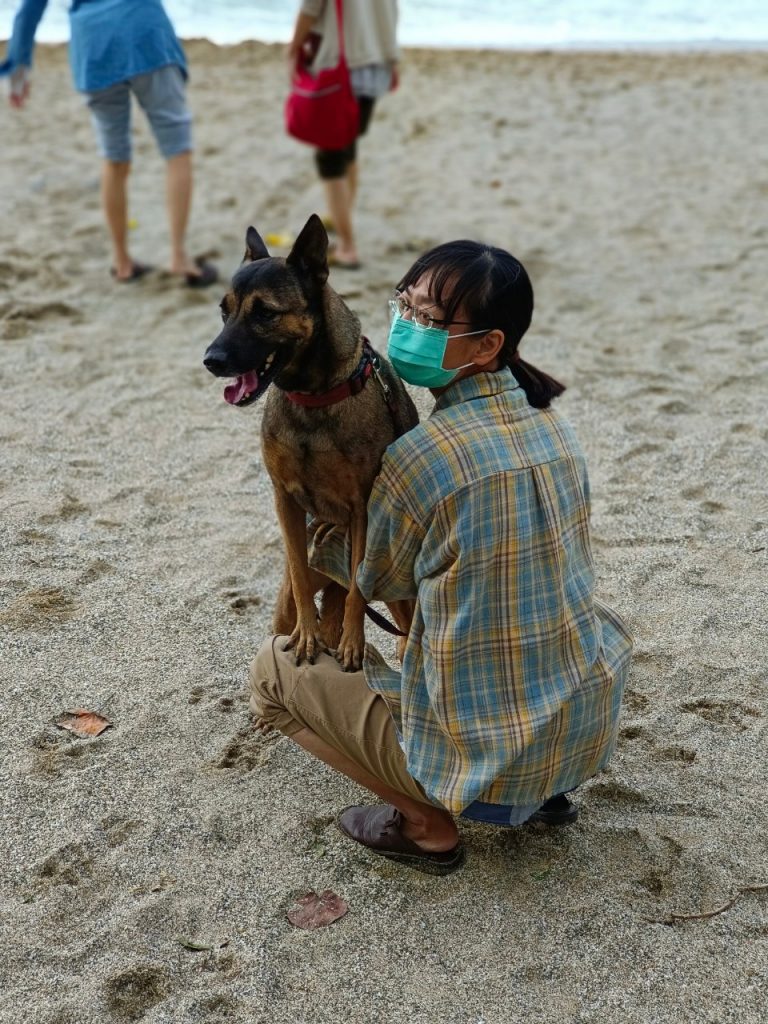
x,y
305,644
349,653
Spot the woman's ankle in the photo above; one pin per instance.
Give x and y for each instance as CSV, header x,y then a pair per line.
x,y
434,831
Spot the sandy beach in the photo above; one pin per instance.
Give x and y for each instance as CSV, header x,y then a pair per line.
x,y
141,558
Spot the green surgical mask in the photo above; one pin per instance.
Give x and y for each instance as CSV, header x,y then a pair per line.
x,y
417,353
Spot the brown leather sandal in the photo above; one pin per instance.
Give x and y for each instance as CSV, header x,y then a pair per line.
x,y
378,829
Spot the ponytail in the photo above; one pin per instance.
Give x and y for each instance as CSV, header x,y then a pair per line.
x,y
538,386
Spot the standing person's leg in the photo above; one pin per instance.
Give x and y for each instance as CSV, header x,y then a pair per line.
x,y
337,718
366,104
178,191
111,115
162,96
332,165
352,182
114,201
338,170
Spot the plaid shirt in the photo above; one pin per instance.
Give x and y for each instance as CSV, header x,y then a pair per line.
x,y
513,673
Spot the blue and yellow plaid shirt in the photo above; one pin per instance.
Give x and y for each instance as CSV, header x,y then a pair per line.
x,y
513,673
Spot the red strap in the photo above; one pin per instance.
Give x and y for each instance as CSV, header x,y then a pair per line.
x,y
346,389
340,27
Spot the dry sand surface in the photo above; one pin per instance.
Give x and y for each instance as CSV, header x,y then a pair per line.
x,y
141,556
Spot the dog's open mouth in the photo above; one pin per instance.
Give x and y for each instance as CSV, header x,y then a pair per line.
x,y
247,387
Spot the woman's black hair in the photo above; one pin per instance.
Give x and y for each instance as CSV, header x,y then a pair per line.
x,y
493,290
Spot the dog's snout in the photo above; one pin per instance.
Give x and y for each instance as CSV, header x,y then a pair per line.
x,y
215,362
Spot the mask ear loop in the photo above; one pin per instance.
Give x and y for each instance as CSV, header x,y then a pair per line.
x,y
467,334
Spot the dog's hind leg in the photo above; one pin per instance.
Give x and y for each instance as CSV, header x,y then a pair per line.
x,y
332,603
284,617
351,645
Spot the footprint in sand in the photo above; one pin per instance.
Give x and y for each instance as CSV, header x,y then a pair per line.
x,y
617,793
224,704
69,865
693,493
56,750
675,408
632,732
726,713
681,755
16,321
100,567
70,508
117,830
130,993
40,608
240,600
15,270
647,448
247,750
636,702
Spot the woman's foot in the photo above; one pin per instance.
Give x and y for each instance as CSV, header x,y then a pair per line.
x,y
196,273
347,259
129,271
383,830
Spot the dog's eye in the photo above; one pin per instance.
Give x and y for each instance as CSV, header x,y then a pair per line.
x,y
224,311
258,309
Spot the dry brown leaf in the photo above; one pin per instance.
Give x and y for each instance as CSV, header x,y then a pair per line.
x,y
83,723
313,911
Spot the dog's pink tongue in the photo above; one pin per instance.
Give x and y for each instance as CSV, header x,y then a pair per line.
x,y
244,385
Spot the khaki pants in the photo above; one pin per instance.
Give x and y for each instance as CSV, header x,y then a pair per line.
x,y
338,706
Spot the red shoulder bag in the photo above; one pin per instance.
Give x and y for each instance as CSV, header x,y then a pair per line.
x,y
321,109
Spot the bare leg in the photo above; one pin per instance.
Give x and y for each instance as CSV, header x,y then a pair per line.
x,y
339,197
429,827
179,201
352,182
114,200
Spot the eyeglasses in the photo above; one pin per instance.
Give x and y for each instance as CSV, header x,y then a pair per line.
x,y
400,306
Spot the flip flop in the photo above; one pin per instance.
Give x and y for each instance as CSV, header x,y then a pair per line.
x,y
334,261
208,275
378,829
137,270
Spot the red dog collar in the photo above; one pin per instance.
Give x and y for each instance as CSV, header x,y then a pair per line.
x,y
351,386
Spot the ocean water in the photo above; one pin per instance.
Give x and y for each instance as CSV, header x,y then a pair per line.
x,y
475,23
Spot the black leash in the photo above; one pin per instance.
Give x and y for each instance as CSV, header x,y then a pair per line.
x,y
382,622
394,412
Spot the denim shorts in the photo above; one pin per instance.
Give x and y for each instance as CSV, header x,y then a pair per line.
x,y
162,97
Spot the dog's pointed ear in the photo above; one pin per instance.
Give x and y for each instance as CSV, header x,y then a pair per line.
x,y
310,250
254,246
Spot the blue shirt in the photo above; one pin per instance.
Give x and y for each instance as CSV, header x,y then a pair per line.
x,y
112,40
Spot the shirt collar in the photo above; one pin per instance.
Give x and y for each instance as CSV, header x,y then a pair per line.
x,y
478,385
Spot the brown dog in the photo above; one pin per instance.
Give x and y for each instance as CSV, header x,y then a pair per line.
x,y
334,408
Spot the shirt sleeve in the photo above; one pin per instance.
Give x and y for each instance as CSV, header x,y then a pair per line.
x,y
393,544
22,42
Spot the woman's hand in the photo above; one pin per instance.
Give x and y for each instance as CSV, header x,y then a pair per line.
x,y
18,87
295,51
